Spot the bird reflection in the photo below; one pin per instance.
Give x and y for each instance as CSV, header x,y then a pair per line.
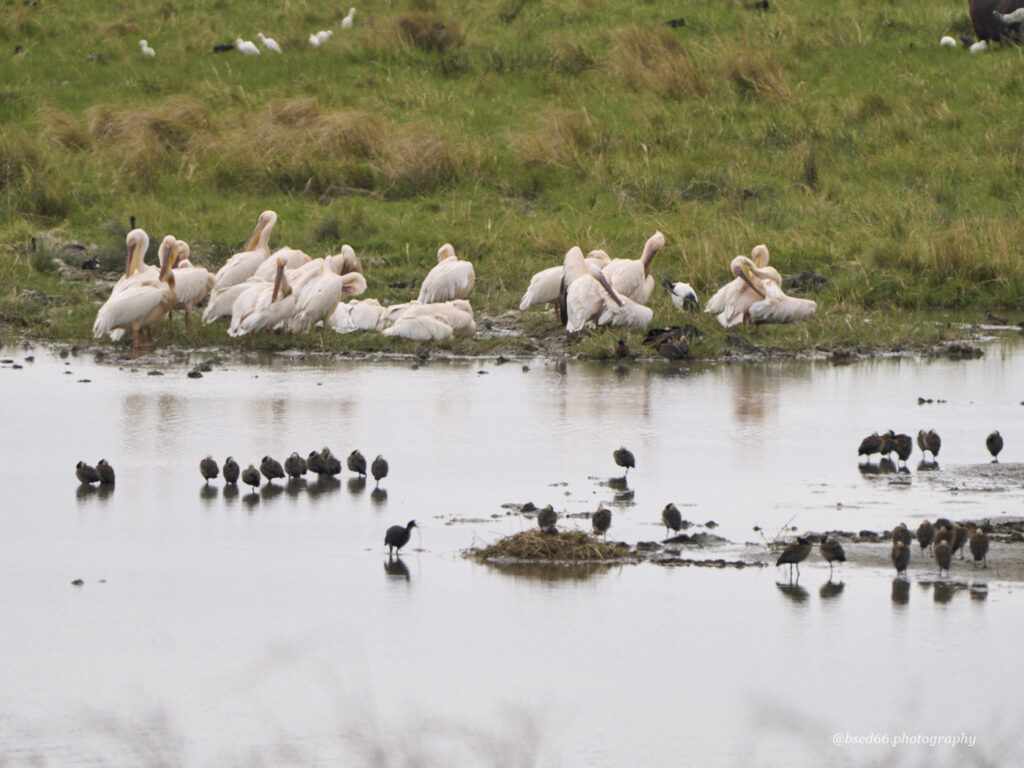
x,y
251,500
979,591
794,592
208,493
883,467
103,491
831,589
618,483
295,486
357,484
900,591
230,492
942,591
378,496
270,490
85,491
927,466
323,484
396,568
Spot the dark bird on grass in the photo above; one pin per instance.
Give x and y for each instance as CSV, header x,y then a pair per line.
x,y
223,47
230,470
904,446
674,350
994,443
993,319
357,463
682,295
925,534
295,465
601,520
675,23
397,536
315,463
900,556
929,442
209,469
873,443
251,476
547,519
672,518
943,556
621,349
832,551
106,472
979,546
901,533
271,468
958,539
379,469
93,263
795,554
656,335
624,458
760,5
86,474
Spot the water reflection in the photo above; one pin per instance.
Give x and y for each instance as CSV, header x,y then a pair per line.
x,y
295,486
552,572
883,467
324,484
927,466
356,484
230,492
942,591
378,496
271,490
900,591
396,568
207,493
793,591
84,492
979,591
831,589
251,500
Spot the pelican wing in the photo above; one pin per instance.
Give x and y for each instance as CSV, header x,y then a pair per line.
x,y
420,328
777,307
450,279
128,307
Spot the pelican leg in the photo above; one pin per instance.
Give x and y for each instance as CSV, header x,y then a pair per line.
x,y
135,339
188,320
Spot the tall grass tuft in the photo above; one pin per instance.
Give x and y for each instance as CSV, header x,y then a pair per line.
x,y
654,60
758,74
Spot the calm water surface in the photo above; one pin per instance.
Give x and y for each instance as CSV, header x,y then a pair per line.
x,y
214,629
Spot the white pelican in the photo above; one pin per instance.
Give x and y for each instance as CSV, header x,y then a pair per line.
x,y
620,310
148,52
137,308
737,303
356,315
321,295
243,265
457,314
632,277
682,295
222,301
263,306
191,283
450,279
421,328
546,285
584,300
728,293
293,258
269,43
777,307
346,23
136,272
248,47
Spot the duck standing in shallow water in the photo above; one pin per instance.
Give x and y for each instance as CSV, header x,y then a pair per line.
x,y
230,470
86,474
209,469
994,443
397,536
624,458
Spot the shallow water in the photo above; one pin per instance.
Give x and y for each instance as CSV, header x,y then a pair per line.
x,y
266,628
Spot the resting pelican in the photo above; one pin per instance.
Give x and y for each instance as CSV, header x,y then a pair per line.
x,y
420,328
450,279
546,286
620,310
584,297
744,291
356,315
263,305
778,307
191,283
632,277
293,259
759,255
269,43
244,264
137,308
221,302
458,314
248,47
320,296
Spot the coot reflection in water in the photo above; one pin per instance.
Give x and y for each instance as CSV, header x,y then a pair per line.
x,y
396,568
900,591
831,589
794,592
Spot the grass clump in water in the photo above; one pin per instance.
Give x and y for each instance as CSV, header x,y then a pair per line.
x,y
568,546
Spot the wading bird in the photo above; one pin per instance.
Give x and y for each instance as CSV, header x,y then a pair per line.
x,y
295,465
251,476
925,534
269,43
832,551
901,533
929,442
106,473
682,295
794,554
86,474
547,520
331,462
230,470
356,463
346,23
148,52
979,546
209,469
631,278
900,556
397,536
958,538
271,469
601,520
191,283
672,518
943,556
624,458
138,307
247,47
904,446
316,462
994,443
450,279
871,444
379,469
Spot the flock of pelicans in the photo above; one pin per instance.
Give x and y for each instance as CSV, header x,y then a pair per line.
x,y
287,290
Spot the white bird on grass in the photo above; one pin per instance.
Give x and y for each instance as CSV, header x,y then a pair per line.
x,y
356,315
319,38
682,295
458,314
778,307
546,286
136,271
269,43
137,308
421,328
148,52
321,295
584,301
743,291
191,283
263,306
947,42
728,293
619,310
450,279
981,45
632,277
248,47
346,23
293,259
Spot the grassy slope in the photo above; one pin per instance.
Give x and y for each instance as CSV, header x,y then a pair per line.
x,y
840,134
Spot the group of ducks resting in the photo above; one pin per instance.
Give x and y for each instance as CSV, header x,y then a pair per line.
x,y
288,290
944,538
323,463
887,443
284,290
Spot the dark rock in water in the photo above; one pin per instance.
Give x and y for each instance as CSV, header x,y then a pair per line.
x,y
77,583
647,546
710,524
872,536
155,373
194,374
963,352
206,366
17,366
528,507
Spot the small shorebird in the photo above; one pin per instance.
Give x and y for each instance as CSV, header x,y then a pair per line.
x,y
624,458
795,554
832,551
